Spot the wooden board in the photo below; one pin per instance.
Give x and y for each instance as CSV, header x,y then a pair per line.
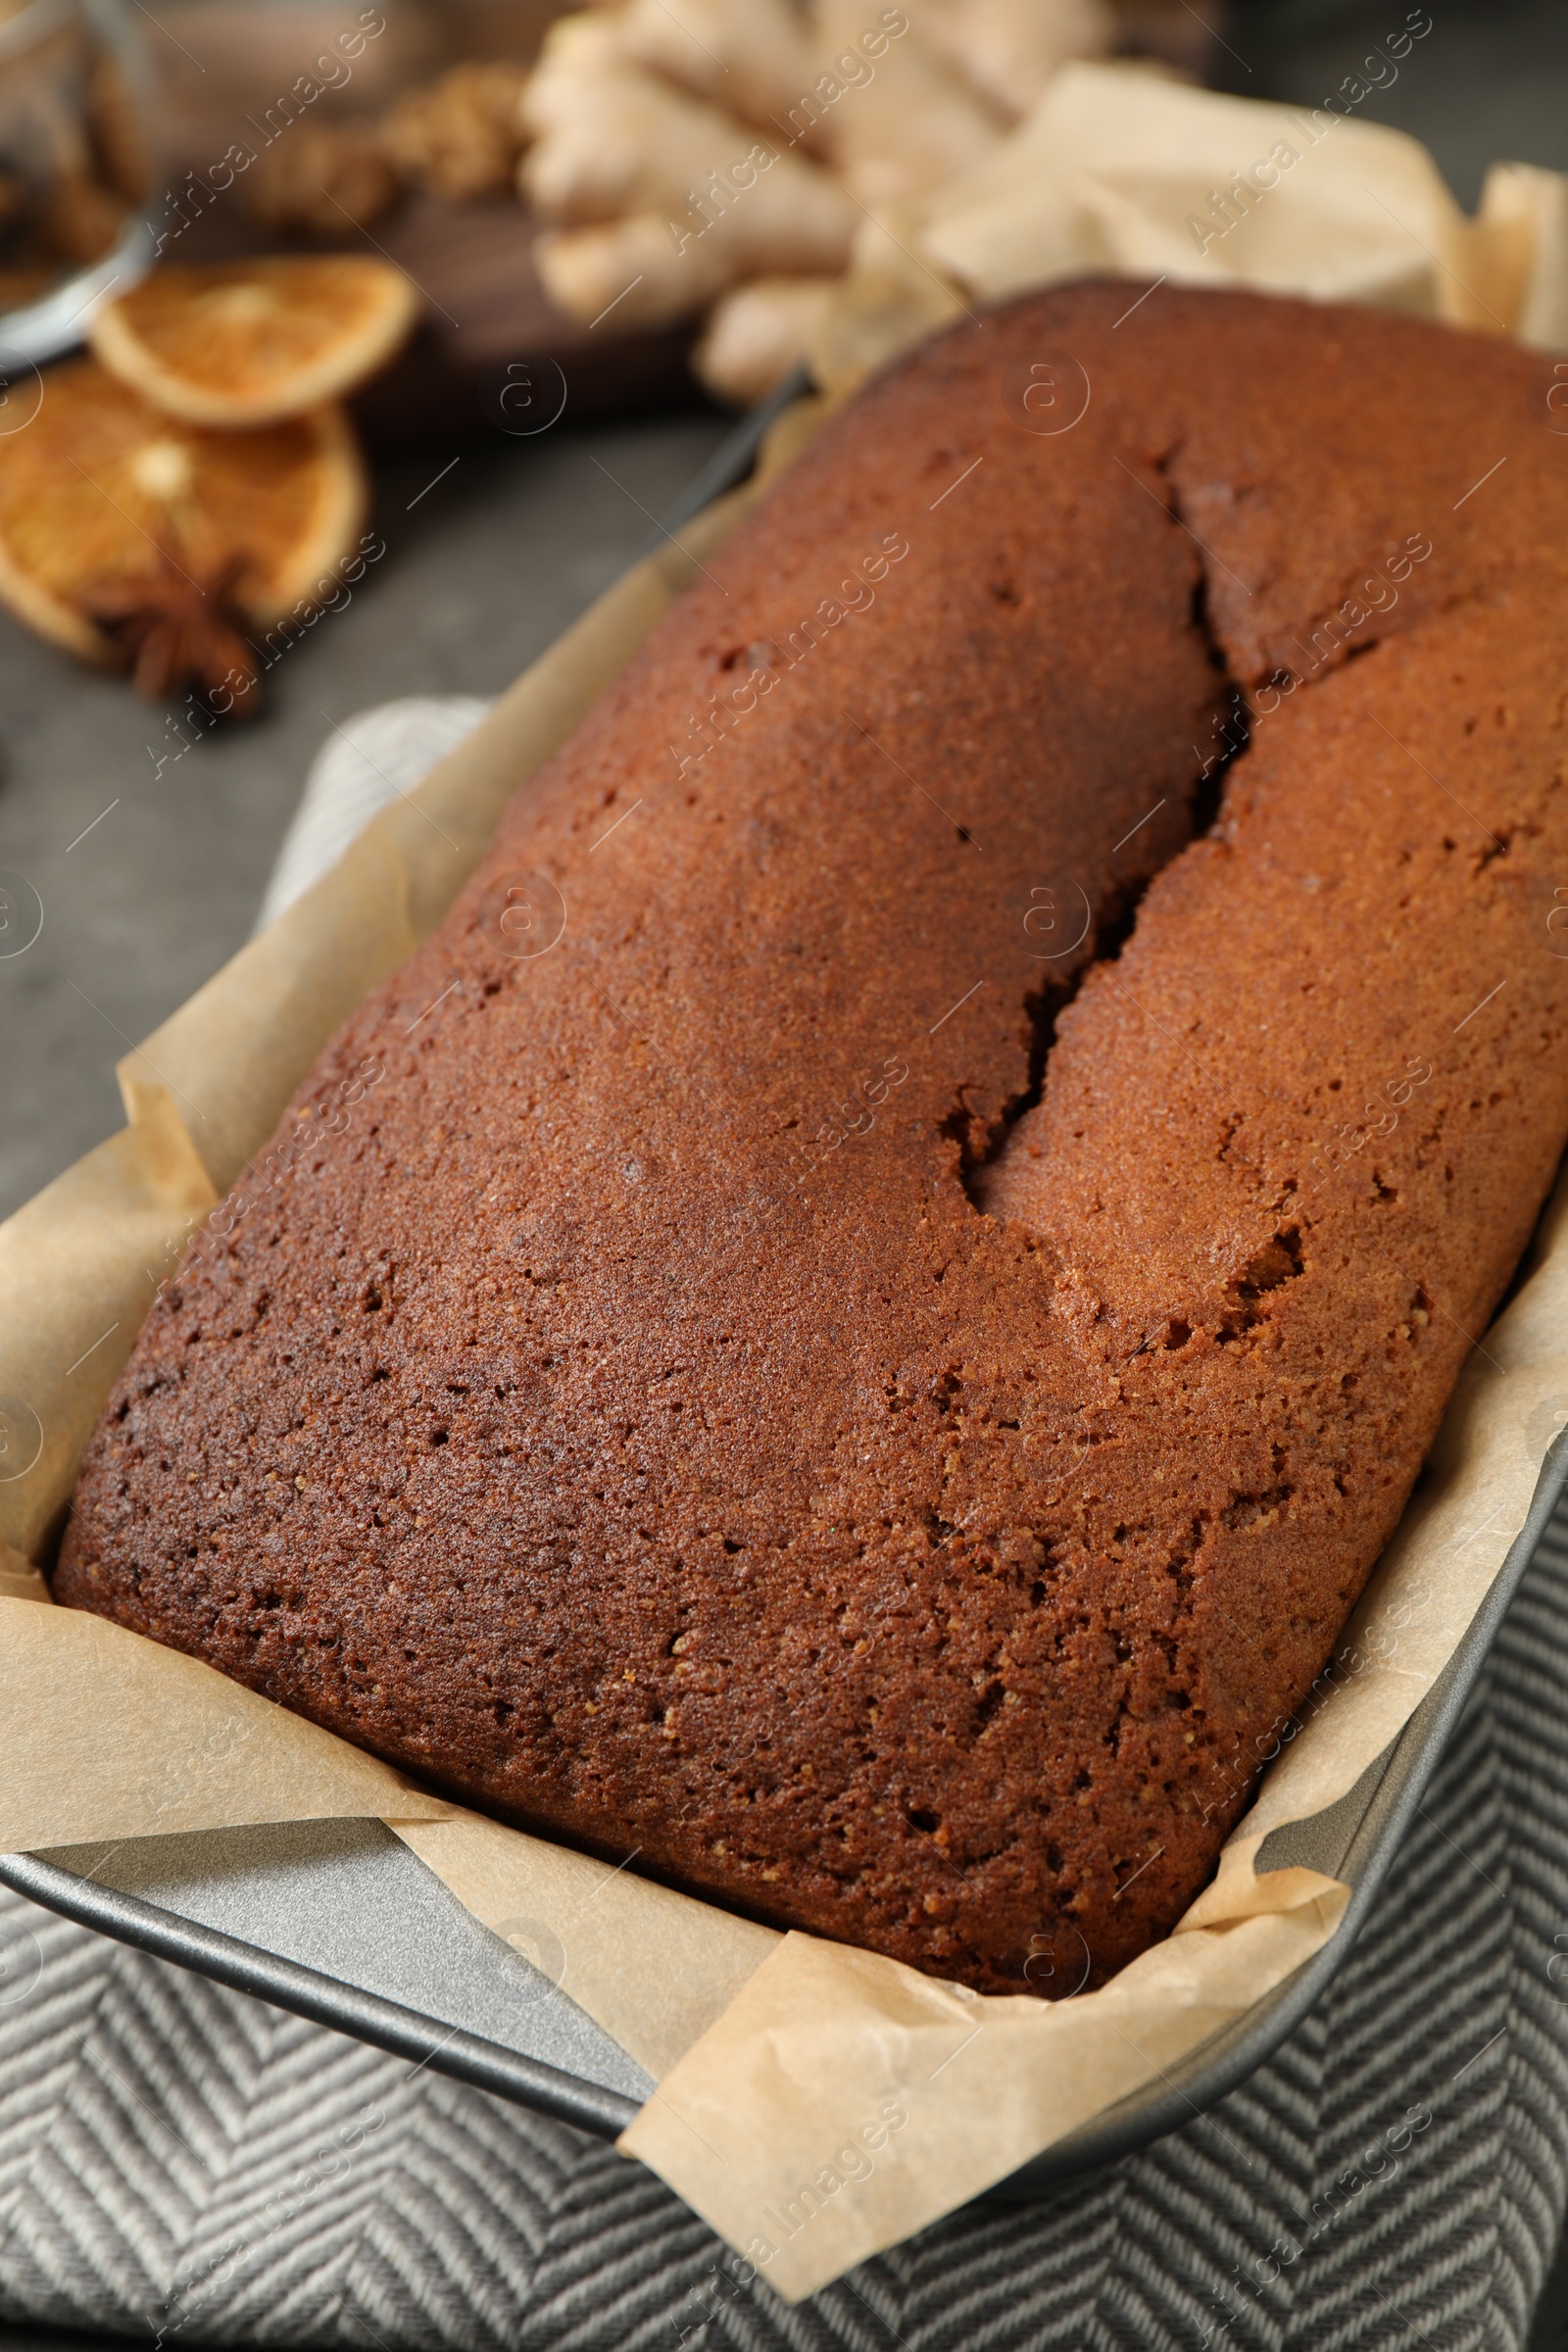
x,y
493,354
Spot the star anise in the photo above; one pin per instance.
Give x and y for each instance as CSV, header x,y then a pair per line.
x,y
182,627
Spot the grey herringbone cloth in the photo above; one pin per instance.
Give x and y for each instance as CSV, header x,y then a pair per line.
x,y
162,2146
178,2162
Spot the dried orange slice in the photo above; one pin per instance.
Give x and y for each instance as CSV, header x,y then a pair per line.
x,y
100,488
249,342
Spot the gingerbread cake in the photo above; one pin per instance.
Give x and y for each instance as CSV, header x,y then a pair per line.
x,y
854,1323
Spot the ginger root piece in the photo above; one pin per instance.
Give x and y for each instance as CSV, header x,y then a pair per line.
x,y
635,145
1007,50
460,138
654,267
576,52
322,180
896,123
756,333
629,143
899,101
690,199
749,56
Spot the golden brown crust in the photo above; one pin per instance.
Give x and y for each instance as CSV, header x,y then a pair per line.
x,y
630,1419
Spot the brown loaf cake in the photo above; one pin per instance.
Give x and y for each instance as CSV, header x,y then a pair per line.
x,y
773,1380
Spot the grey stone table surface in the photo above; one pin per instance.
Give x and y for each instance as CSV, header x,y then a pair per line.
x,y
151,880
1488,84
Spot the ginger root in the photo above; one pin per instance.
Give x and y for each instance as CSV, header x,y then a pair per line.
x,y
654,267
1007,50
757,332
749,56
631,145
575,52
661,196
635,145
894,121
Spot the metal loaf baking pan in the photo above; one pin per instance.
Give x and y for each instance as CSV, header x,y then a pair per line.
x,y
338,1921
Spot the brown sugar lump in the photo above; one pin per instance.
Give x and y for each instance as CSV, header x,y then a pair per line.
x,y
809,1332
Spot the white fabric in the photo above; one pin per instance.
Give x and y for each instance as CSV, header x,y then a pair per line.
x,y
363,764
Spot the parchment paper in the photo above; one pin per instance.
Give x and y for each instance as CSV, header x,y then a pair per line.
x,y
1120,170
816,2103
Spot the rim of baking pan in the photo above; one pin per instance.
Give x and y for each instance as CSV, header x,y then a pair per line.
x,y
324,2001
